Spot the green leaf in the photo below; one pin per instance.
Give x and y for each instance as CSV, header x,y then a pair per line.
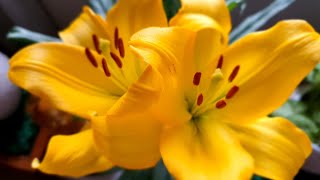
x,y
18,132
101,7
171,7
232,4
314,76
257,20
25,37
255,177
290,108
25,137
297,113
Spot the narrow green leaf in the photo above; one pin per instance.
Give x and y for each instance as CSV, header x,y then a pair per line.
x,y
257,20
232,4
101,7
171,7
25,37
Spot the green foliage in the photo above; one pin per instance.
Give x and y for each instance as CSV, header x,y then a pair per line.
x,y
290,108
232,4
255,177
17,133
257,20
314,76
304,114
171,7
25,137
24,37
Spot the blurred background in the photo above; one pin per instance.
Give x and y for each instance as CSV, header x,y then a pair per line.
x,y
51,16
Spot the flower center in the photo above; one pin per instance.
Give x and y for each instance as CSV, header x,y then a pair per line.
x,y
218,91
113,60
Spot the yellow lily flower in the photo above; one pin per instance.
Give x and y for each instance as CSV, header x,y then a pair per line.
x,y
141,112
215,98
94,72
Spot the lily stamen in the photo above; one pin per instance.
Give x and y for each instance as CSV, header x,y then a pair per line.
x,y
121,47
234,73
232,92
221,104
200,100
220,62
105,68
197,78
96,43
116,59
116,37
91,57
216,80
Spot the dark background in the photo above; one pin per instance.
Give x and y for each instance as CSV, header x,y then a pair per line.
x,y
50,16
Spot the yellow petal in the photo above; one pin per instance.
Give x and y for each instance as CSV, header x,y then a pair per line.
x,y
204,149
130,16
164,49
63,75
82,29
270,65
178,54
278,147
73,155
140,96
198,11
129,134
127,17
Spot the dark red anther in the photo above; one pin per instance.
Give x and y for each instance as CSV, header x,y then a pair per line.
x,y
200,100
221,104
232,92
96,43
220,62
91,57
197,78
116,37
234,73
105,68
121,47
116,59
